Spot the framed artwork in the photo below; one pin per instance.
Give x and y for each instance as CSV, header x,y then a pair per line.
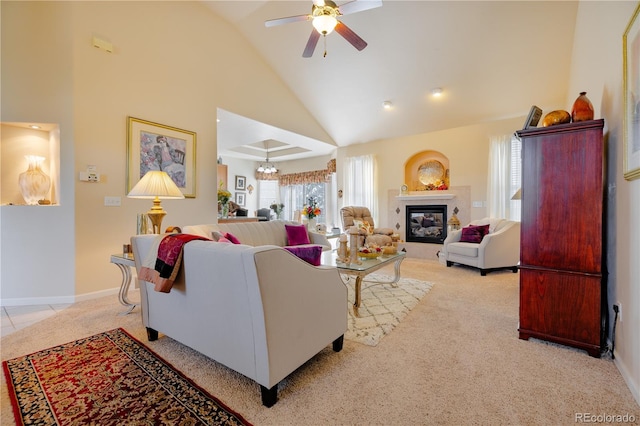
x,y
241,183
241,198
631,84
154,146
533,118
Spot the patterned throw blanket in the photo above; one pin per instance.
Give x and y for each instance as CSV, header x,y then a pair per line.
x,y
163,268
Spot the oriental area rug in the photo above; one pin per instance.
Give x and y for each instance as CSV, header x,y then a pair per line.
x,y
383,306
108,379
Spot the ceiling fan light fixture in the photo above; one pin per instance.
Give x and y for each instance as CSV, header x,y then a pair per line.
x,y
324,24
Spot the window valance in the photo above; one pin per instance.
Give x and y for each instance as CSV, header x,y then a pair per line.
x,y
315,176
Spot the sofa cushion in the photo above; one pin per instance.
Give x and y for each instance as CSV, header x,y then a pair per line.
x,y
309,253
495,224
297,235
232,238
463,249
474,234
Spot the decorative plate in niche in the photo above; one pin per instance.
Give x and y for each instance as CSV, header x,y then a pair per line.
x,y
430,172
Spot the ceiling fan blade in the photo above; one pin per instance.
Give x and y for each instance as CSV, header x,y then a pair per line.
x,y
311,44
350,36
280,21
358,6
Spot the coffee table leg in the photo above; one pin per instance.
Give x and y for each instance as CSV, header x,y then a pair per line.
x,y
396,270
358,290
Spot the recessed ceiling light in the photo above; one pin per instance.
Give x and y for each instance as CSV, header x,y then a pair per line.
x,y
34,126
387,105
436,92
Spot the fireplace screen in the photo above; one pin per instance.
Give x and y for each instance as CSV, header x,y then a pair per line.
x,y
426,224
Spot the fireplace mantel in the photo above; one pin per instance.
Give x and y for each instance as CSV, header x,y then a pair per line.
x,y
426,195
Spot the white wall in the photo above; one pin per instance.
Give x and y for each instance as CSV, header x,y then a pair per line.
x,y
597,69
38,257
173,63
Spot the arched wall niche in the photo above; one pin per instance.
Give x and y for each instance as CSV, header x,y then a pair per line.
x,y
422,171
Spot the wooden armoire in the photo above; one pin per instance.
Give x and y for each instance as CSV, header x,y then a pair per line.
x,y
562,269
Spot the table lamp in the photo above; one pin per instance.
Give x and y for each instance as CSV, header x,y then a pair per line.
x,y
156,185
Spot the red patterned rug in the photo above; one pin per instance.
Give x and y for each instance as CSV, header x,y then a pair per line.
x,y
108,379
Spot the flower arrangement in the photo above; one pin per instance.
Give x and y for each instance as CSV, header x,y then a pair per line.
x,y
277,208
311,210
223,195
438,185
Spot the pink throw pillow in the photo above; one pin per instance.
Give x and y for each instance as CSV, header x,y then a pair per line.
x,y
224,240
297,235
474,234
232,238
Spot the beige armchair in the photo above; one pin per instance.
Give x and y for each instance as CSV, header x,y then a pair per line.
x,y
499,249
350,214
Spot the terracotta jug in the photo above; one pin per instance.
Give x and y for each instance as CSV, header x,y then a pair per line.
x,y
582,108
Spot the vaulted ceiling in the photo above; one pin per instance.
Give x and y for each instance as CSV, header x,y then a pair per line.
x,y
492,59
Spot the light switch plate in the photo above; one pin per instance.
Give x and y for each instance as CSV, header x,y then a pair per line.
x,y
112,201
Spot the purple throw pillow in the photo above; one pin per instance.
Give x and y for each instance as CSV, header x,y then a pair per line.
x,y
229,236
297,235
474,234
310,254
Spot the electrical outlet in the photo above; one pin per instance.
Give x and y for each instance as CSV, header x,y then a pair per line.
x,y
619,311
112,201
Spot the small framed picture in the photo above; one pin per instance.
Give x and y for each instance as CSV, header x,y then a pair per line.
x,y
241,198
533,118
241,183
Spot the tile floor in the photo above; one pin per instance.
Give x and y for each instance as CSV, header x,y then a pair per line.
x,y
16,317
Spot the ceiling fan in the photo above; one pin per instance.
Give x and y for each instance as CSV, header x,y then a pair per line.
x,y
324,17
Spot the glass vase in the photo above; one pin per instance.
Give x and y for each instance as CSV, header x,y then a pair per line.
x,y
34,183
225,210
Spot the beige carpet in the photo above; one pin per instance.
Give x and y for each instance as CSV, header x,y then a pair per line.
x,y
455,359
383,306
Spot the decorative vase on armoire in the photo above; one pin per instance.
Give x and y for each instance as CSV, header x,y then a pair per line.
x,y
582,108
34,183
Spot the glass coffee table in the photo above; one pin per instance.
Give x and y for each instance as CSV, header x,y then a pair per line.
x,y
364,267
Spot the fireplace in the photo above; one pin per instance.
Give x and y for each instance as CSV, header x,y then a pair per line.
x,y
426,223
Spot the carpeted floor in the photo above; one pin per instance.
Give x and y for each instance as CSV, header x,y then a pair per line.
x,y
455,359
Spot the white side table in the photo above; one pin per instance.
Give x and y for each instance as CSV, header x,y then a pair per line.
x,y
125,262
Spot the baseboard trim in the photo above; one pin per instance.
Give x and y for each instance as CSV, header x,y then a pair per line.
x,y
628,378
61,300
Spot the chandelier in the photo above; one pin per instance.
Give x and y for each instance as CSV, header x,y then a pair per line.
x,y
267,167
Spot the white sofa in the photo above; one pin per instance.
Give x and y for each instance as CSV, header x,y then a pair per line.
x,y
260,311
255,234
500,249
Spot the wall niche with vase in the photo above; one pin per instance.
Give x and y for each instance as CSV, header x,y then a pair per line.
x,y
427,171
30,165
